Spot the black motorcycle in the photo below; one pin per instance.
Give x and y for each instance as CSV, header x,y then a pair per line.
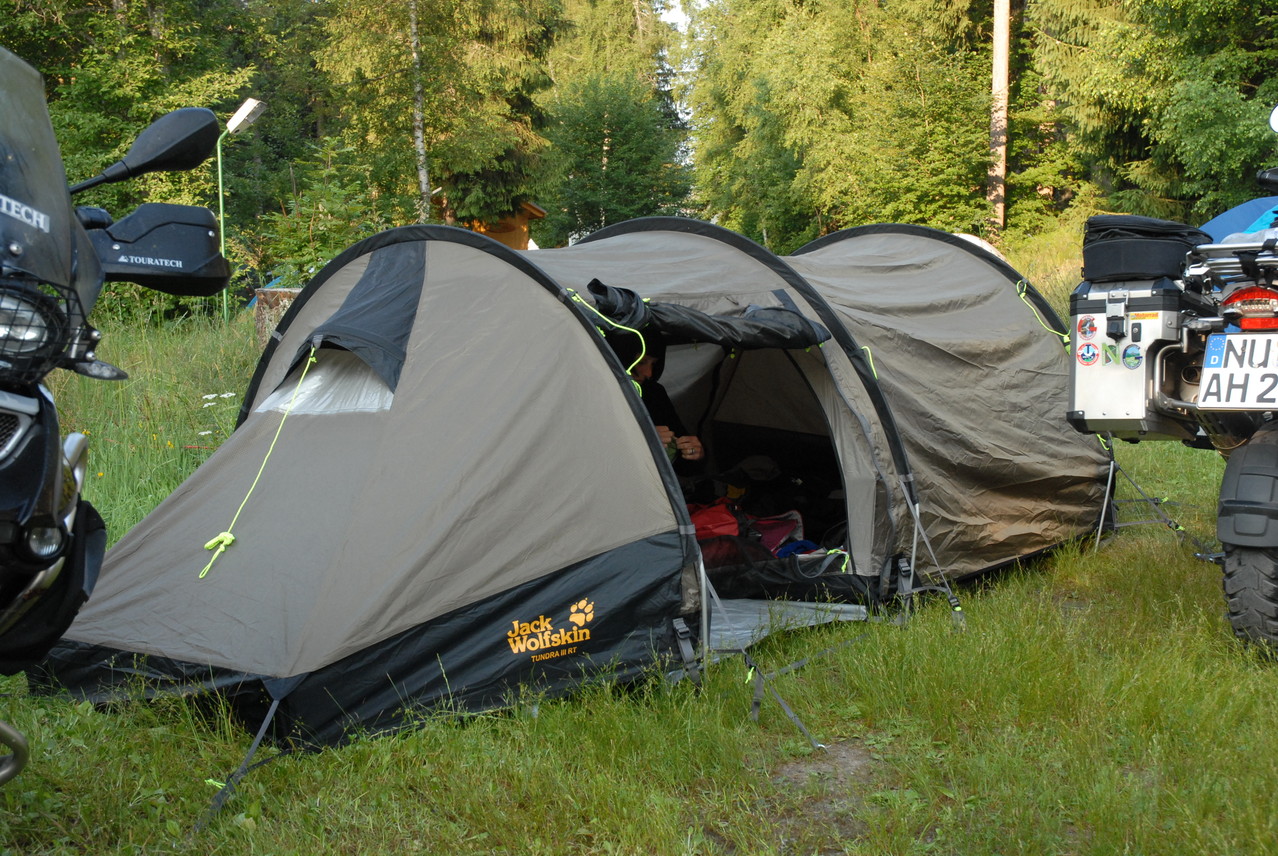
x,y
54,259
1175,337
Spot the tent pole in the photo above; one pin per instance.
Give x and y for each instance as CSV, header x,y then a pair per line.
x,y
1109,487
705,612
956,608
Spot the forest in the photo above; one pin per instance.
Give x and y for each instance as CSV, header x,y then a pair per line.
x,y
781,119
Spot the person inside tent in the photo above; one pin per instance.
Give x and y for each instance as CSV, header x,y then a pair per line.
x,y
684,449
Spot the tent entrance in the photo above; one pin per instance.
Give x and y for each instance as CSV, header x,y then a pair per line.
x,y
771,460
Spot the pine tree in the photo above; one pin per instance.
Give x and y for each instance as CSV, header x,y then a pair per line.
x,y
468,79
812,116
618,145
1164,100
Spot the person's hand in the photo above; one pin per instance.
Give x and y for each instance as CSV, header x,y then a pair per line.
x,y
665,435
690,448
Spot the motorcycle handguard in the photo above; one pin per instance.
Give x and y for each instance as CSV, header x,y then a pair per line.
x,y
168,248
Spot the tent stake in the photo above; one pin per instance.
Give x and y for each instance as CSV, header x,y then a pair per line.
x,y
224,794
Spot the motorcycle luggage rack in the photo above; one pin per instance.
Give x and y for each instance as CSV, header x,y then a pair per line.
x,y
1226,264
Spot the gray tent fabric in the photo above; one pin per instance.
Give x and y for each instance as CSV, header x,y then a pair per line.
x,y
467,496
970,356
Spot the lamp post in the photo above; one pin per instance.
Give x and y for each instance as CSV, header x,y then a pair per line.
x,y
243,117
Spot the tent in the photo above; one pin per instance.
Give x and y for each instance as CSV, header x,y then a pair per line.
x,y
445,488
1255,215
969,355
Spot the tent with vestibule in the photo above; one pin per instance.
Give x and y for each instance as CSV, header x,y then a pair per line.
x,y
445,488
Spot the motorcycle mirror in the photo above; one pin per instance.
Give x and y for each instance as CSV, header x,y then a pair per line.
x,y
180,140
1273,120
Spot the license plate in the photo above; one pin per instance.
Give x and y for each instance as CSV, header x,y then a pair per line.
x,y
1240,372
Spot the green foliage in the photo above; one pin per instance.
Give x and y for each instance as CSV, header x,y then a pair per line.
x,y
810,115
112,68
613,37
330,209
127,303
747,173
617,146
923,157
1165,99
1045,176
613,157
471,79
279,40
813,116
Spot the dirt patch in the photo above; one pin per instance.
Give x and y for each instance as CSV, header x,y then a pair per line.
x,y
843,761
820,798
814,807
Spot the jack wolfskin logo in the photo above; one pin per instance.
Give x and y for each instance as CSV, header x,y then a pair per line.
x,y
582,613
544,641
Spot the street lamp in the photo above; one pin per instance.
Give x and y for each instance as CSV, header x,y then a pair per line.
x,y
245,116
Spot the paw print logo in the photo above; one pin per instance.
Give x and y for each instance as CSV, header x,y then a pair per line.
x,y
582,612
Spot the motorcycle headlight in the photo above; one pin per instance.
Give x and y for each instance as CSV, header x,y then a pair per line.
x,y
45,542
35,328
29,323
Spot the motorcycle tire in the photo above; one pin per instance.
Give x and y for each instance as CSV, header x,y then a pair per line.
x,y
1251,594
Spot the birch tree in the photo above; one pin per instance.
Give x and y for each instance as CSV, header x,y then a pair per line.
x,y
459,77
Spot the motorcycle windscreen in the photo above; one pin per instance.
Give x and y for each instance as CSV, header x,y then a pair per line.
x,y
35,210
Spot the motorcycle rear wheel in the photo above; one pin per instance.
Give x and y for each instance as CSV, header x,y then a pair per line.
x,y
1251,594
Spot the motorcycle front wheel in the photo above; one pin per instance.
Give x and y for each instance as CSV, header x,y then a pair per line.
x,y
1251,594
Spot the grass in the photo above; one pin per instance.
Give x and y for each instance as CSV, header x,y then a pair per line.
x,y
1052,262
148,433
1096,703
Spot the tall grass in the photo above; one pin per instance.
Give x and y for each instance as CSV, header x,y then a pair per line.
x,y
149,432
1052,262
1095,703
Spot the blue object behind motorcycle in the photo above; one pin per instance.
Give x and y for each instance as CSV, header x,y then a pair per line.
x,y
1255,215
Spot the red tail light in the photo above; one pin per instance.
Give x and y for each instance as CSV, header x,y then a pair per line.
x,y
1254,307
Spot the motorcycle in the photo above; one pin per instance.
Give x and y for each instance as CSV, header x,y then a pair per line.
x,y
1175,337
54,259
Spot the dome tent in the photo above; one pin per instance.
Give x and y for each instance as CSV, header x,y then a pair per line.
x,y
466,495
